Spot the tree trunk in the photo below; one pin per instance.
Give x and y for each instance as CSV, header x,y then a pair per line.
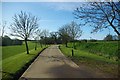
x,y
26,46
66,44
45,42
72,53
41,45
73,44
114,28
36,45
118,37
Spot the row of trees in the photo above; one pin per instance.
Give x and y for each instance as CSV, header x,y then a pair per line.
x,y
66,33
70,32
99,15
26,26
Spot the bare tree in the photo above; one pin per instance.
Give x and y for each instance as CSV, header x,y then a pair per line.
x,y
35,40
45,34
3,28
24,26
108,37
54,36
37,37
100,15
64,34
74,31
69,32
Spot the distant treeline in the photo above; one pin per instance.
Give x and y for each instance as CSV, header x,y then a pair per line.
x,y
59,40
7,41
50,40
94,40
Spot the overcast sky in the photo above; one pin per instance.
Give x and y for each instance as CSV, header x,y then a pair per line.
x,y
52,15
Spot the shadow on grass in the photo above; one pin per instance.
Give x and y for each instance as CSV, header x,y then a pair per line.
x,y
17,74
31,54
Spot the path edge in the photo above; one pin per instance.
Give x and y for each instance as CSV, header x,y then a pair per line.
x,y
20,72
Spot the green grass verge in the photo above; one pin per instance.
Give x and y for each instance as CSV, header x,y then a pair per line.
x,y
92,60
109,49
12,64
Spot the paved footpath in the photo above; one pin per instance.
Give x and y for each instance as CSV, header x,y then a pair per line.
x,y
51,63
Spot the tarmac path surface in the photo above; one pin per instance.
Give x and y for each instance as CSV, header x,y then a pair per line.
x,y
51,63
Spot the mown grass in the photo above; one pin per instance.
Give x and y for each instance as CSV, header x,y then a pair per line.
x,y
92,60
9,51
12,64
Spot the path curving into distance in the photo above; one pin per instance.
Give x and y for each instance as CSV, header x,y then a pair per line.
x,y
51,63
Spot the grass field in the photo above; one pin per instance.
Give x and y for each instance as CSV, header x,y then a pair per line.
x,y
84,57
15,58
9,51
108,49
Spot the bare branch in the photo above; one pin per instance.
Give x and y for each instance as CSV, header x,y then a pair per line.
x,y
3,28
24,25
100,15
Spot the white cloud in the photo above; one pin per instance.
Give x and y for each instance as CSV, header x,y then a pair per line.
x,y
69,6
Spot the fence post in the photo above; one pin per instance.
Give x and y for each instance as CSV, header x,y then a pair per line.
x,y
72,52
